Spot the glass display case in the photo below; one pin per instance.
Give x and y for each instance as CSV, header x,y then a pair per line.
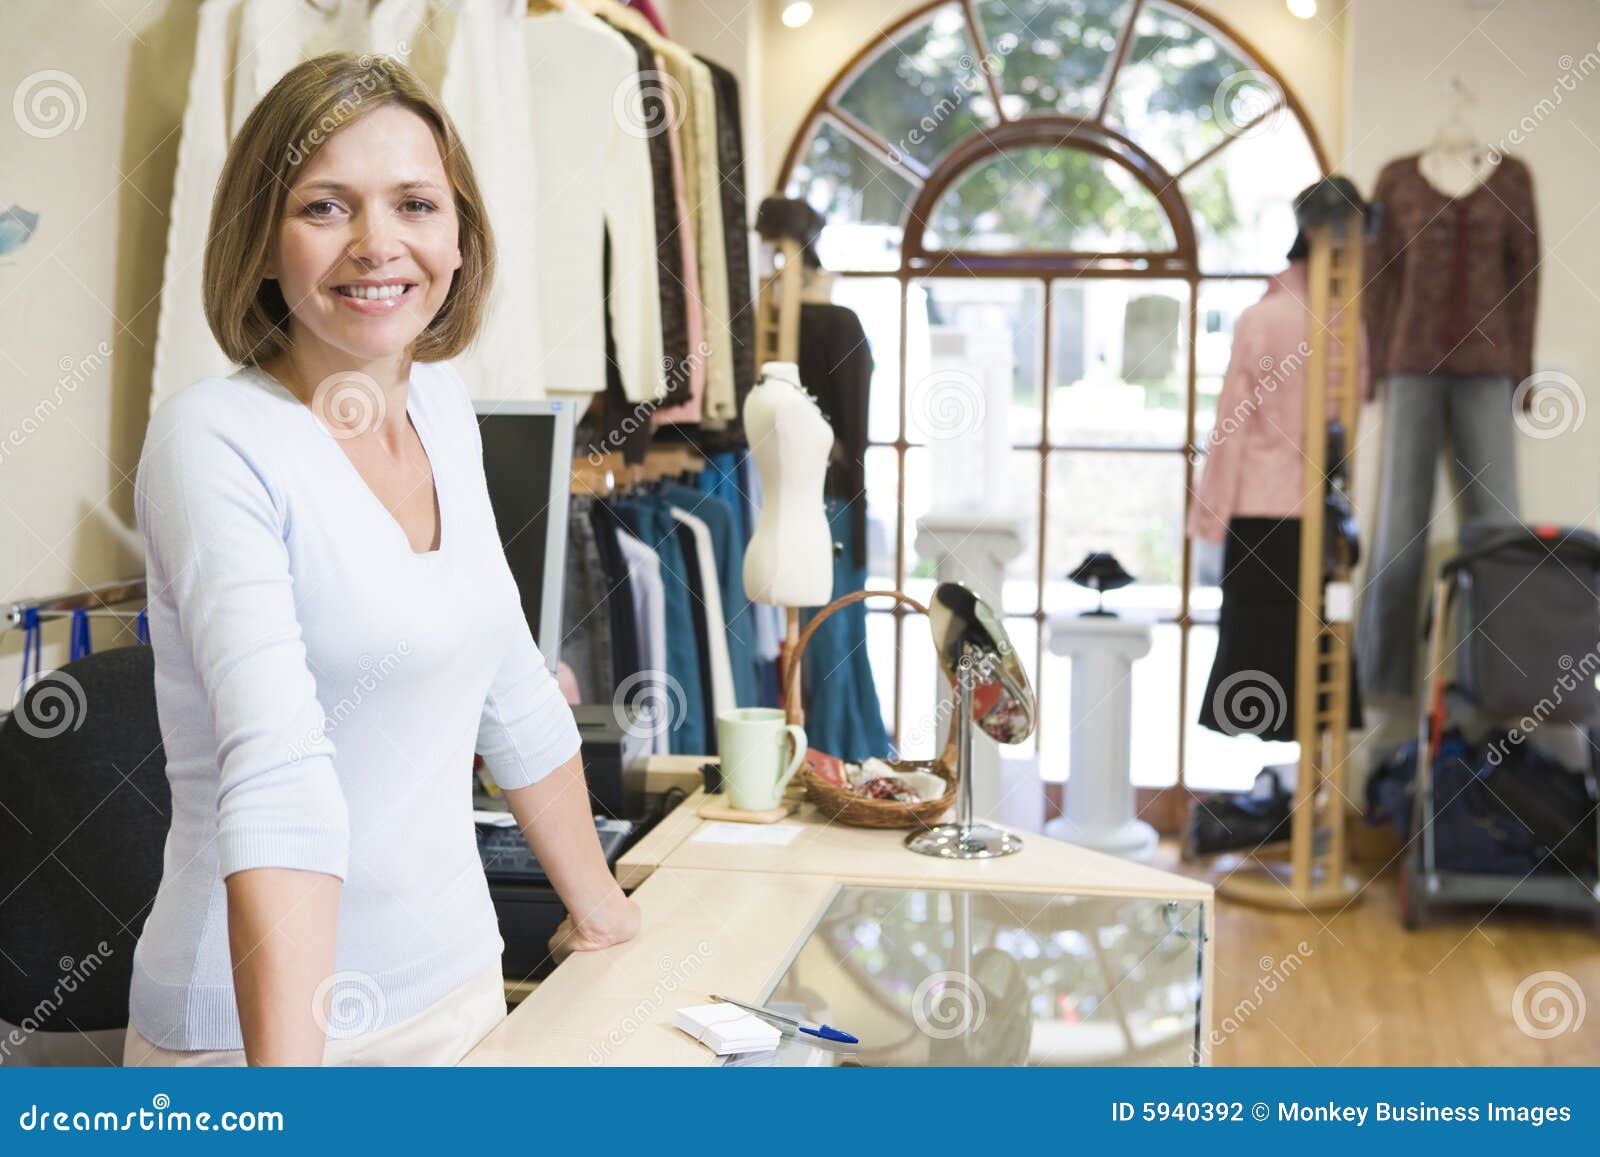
x,y
947,976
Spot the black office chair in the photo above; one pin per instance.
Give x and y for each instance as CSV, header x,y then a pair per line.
x,y
84,812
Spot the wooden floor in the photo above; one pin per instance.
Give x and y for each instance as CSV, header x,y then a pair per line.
x,y
1364,991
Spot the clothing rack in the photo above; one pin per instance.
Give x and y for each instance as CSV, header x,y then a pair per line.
x,y
604,474
97,602
1314,874
100,600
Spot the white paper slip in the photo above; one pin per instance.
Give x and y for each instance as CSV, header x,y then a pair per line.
x,y
723,832
727,1029
494,819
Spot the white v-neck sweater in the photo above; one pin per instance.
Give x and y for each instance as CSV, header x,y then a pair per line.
x,y
321,690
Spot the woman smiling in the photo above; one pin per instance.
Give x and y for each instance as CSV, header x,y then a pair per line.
x,y
336,629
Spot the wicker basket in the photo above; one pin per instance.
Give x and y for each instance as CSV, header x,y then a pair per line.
x,y
848,807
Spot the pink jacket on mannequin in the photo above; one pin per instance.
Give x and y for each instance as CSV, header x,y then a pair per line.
x,y
1254,466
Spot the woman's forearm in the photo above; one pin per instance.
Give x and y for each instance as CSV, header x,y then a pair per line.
x,y
283,928
557,820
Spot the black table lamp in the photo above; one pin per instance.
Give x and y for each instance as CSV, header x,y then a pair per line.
x,y
1100,572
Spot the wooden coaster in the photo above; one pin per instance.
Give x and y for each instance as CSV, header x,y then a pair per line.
x,y
716,807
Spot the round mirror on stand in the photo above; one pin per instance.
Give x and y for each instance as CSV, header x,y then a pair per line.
x,y
992,690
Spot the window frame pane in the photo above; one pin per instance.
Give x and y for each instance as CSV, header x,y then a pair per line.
x,y
931,176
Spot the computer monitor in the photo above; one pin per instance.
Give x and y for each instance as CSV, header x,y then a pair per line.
x,y
527,461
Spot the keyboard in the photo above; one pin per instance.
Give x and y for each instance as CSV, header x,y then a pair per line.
x,y
508,859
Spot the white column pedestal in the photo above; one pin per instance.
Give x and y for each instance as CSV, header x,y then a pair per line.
x,y
1099,809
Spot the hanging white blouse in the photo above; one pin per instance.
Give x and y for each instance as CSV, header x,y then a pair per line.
x,y
587,111
487,92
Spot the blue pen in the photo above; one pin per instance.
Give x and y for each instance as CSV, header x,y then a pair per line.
x,y
822,1031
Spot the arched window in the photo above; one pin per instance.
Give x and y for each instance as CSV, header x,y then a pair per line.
x,y
1048,214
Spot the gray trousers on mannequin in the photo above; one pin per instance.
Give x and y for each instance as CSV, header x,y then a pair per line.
x,y
1419,411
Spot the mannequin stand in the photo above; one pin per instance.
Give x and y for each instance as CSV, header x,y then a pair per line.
x,y
964,839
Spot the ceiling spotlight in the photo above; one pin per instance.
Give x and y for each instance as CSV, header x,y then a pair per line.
x,y
1305,9
797,12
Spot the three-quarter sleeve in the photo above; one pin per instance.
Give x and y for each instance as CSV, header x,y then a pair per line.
x,y
527,729
215,539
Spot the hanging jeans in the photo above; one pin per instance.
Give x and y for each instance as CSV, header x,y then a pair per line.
x,y
585,613
728,550
843,716
649,520
1475,411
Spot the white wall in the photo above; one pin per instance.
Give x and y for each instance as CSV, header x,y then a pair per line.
x,y
1512,56
71,418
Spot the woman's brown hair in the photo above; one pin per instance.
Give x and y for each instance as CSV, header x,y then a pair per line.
x,y
246,311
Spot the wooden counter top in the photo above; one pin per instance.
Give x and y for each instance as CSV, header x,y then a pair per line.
x,y
827,848
823,847
703,932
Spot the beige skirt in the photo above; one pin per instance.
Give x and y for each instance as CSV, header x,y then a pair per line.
x,y
440,1034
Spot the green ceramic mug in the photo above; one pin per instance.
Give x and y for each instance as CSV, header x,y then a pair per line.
x,y
755,770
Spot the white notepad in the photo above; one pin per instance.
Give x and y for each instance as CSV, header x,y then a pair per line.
x,y
727,1028
725,832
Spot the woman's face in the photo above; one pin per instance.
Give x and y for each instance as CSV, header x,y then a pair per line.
x,y
369,241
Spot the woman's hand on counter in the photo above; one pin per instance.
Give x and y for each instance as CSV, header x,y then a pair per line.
x,y
612,922
556,816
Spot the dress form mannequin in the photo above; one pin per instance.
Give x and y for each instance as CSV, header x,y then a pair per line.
x,y
789,561
1456,162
